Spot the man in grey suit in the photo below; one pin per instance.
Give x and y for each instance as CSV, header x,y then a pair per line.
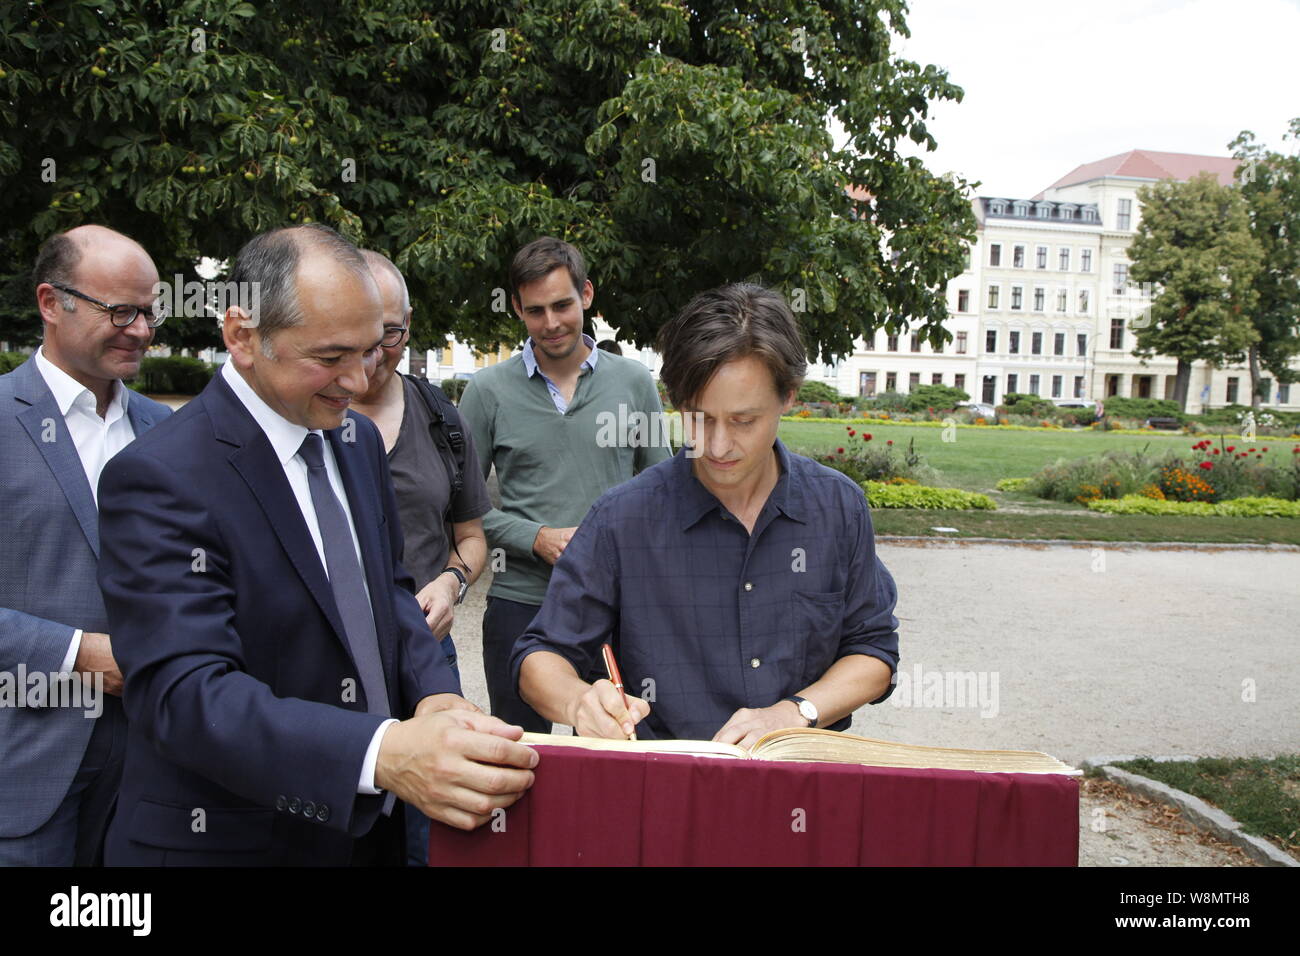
x,y
63,414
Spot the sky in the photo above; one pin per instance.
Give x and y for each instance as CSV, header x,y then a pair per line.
x,y
1051,85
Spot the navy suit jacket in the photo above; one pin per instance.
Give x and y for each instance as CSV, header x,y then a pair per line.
x,y
49,546
247,721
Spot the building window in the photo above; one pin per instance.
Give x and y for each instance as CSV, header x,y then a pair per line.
x,y
1014,347
1078,386
965,259
936,378
938,348
1064,260
1082,343
1066,210
959,381
961,343
1011,383
1036,344
913,380
1058,343
1040,299
1125,214
1056,386
1018,257
1040,257
998,208
1083,301
1232,390
1085,260
989,386
1062,301
1044,210
916,342
991,341
995,254
993,296
891,381
1090,214
1117,333
891,343
1017,296
1021,207
963,300
867,384
1121,278
1284,394
869,343
1033,385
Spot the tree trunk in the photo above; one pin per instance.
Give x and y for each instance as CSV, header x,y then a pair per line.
x,y
1181,380
1254,378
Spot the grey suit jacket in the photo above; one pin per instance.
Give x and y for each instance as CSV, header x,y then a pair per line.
x,y
49,549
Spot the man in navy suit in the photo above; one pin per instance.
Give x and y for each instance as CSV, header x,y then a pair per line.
x,y
270,639
63,414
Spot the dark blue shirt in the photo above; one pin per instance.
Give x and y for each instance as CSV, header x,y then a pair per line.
x,y
706,618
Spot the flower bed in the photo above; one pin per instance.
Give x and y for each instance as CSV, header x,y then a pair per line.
x,y
885,495
1234,508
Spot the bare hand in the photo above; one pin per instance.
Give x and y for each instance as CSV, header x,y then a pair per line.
x,y
600,712
436,703
551,542
745,726
438,602
455,766
95,656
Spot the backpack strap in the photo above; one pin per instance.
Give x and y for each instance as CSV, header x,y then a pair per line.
x,y
446,429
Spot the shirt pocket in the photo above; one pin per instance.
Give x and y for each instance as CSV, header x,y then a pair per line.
x,y
818,620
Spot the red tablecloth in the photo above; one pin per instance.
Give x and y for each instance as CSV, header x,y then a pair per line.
x,y
589,808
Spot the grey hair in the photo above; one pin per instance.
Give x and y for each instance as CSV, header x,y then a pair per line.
x,y
269,263
374,259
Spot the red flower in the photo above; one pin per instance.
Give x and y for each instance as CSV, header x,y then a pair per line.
x,y
839,451
866,436
1207,465
889,441
1216,451
1232,448
1265,448
852,433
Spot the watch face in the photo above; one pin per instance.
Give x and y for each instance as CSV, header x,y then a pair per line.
x,y
809,711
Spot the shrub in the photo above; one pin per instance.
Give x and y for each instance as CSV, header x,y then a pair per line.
x,y
817,392
882,495
1110,475
863,458
935,396
174,375
1012,484
455,388
10,361
1020,403
885,401
1143,408
1237,508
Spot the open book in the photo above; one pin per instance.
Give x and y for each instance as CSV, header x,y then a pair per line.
x,y
828,746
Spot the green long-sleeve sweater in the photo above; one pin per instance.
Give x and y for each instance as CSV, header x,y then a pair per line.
x,y
552,467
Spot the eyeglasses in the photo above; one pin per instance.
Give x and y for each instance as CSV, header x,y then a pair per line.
x,y
393,335
121,315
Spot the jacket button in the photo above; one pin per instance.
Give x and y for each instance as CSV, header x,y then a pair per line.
x,y
294,805
281,802
309,809
323,813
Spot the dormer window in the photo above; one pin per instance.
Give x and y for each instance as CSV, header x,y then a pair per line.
x,y
1089,213
998,208
1022,208
1044,210
1067,210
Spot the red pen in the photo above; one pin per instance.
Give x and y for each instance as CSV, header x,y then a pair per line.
x,y
611,668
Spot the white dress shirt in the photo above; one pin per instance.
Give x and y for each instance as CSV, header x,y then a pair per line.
x,y
95,439
286,438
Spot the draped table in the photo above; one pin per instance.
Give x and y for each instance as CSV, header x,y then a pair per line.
x,y
593,808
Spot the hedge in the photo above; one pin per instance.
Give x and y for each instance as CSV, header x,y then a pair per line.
x,y
1233,508
174,375
11,360
881,495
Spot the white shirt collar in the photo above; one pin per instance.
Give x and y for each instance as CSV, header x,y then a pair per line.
x,y
68,391
285,437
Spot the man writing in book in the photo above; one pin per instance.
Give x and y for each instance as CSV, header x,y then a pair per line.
x,y
738,583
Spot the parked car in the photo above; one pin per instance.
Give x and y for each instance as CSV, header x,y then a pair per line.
x,y
982,410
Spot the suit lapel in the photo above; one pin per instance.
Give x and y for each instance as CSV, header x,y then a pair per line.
x,y
365,517
256,462
142,417
49,433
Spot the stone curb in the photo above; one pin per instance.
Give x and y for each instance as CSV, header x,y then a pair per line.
x,y
1194,809
1040,543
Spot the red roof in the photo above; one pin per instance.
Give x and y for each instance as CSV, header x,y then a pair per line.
x,y
1149,164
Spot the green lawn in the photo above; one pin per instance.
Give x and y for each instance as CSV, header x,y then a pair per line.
x,y
980,456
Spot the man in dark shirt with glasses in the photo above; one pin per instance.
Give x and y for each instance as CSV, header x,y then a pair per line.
x,y
738,583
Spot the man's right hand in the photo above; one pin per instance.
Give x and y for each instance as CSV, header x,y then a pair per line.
x,y
95,656
456,766
600,712
551,542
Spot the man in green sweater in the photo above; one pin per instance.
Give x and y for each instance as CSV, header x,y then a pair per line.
x,y
563,423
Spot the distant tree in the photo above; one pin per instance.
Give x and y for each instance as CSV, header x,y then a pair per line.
x,y
1270,182
817,392
679,143
1195,246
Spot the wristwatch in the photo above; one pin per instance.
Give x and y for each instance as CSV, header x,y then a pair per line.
x,y
807,709
464,585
